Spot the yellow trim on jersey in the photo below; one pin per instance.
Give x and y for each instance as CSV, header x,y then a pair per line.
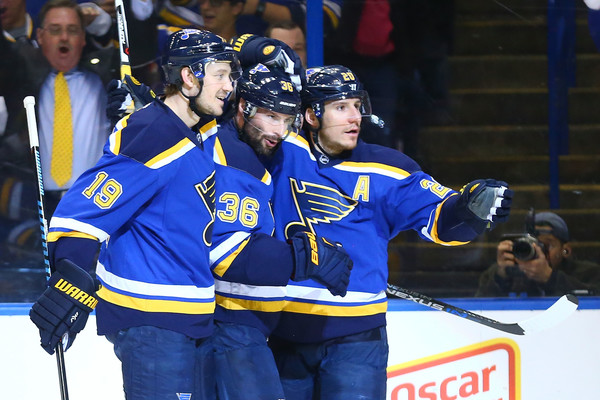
x,y
266,179
54,236
434,228
115,139
252,305
374,165
159,158
335,311
155,305
219,156
226,263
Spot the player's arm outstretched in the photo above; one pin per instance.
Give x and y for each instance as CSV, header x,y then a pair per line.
x,y
480,205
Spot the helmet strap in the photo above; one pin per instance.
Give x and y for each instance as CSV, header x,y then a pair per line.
x,y
192,100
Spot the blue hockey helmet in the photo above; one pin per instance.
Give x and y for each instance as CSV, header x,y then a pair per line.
x,y
195,48
334,82
268,88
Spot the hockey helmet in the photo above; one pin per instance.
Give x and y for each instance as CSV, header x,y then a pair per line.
x,y
334,82
270,89
196,49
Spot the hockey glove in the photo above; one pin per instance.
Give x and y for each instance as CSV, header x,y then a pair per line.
x,y
318,259
64,306
485,202
121,95
255,49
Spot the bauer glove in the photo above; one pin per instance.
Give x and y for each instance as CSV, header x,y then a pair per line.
x,y
126,95
254,49
484,203
318,259
64,306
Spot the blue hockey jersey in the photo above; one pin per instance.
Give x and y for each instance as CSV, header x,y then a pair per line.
x,y
150,201
361,201
251,267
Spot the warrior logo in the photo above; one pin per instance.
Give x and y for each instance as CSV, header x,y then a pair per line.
x,y
317,203
206,190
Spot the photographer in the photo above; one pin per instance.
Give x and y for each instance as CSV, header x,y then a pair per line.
x,y
548,270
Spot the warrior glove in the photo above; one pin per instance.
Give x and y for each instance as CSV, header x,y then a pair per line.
x,y
485,202
318,259
64,306
255,49
127,95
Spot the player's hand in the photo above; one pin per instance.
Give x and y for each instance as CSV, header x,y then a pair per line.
x,y
318,259
64,306
484,203
254,49
121,95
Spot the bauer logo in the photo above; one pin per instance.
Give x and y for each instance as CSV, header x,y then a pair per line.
x,y
485,371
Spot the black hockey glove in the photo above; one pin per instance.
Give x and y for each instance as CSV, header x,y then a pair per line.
x,y
318,259
254,49
64,306
128,95
484,203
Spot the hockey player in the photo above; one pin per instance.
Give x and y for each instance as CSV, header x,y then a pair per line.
x,y
331,183
149,204
251,267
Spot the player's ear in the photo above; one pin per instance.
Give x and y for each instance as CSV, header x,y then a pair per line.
x,y
311,118
187,77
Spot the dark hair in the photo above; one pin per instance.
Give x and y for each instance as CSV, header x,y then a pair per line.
x,y
287,25
49,5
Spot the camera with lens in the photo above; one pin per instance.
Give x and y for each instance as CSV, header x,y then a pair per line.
x,y
523,248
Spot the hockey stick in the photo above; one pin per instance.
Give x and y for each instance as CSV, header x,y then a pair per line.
x,y
125,68
29,104
559,311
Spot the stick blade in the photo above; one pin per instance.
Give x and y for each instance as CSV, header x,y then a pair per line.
x,y
557,313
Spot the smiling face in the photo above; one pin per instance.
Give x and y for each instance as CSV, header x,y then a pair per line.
x,y
216,87
62,38
265,130
340,125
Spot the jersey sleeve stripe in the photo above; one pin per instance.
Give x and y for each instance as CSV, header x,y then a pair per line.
x,y
171,154
114,139
224,265
431,230
54,236
70,224
266,179
226,246
209,129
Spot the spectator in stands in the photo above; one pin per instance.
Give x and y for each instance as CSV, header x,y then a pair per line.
x,y
291,34
551,271
220,16
72,121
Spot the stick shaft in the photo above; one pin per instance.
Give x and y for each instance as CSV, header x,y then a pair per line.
x,y
123,39
29,104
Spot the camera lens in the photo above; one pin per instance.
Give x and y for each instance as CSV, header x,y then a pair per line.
x,y
523,249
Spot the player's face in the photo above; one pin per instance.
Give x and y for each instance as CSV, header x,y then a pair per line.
x,y
61,38
216,87
340,125
266,129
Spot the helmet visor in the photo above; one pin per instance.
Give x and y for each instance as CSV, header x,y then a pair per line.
x,y
230,58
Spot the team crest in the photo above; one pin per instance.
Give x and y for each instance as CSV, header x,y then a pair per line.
x,y
206,190
317,204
